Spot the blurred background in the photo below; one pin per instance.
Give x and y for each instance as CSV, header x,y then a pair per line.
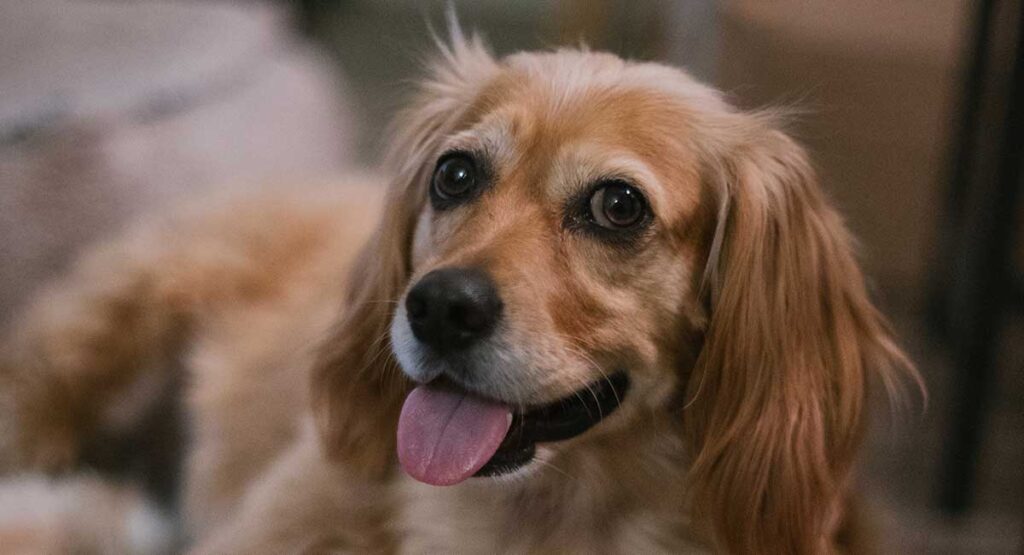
x,y
912,110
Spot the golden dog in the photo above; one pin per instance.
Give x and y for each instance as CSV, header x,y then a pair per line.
x,y
601,311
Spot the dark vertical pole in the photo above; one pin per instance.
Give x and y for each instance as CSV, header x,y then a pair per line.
x,y
962,154
982,296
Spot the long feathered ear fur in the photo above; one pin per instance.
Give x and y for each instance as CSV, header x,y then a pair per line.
x,y
776,402
357,389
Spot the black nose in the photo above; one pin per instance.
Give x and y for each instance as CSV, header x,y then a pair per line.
x,y
452,308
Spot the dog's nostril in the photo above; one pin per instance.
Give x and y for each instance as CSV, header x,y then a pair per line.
x,y
452,308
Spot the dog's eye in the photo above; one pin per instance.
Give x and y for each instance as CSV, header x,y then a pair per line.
x,y
617,205
455,177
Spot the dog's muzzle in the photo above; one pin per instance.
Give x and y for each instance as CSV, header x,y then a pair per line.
x,y
448,431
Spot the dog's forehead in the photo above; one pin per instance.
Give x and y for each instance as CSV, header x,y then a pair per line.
x,y
547,110
561,125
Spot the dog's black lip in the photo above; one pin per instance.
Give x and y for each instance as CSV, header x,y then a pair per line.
x,y
556,421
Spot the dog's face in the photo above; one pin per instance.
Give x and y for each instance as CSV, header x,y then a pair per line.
x,y
570,235
562,239
557,258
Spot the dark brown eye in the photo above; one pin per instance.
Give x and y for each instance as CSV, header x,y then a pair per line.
x,y
455,177
617,205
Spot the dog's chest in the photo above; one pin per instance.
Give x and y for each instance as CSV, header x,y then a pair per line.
x,y
504,518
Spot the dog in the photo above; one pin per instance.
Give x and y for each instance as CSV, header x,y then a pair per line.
x,y
597,309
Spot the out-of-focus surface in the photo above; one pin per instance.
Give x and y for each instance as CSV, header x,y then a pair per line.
x,y
79,515
110,109
876,82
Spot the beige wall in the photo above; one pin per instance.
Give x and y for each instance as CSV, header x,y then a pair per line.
x,y
876,82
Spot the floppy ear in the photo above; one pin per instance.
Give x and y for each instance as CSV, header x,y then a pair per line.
x,y
357,387
775,404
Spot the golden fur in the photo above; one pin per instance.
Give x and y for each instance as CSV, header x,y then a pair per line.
x,y
742,319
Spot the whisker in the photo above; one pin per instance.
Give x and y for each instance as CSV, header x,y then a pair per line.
x,y
590,362
378,347
548,465
696,394
589,388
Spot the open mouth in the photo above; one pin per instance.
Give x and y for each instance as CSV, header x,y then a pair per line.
x,y
446,434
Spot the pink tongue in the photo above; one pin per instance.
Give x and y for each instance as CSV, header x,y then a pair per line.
x,y
445,436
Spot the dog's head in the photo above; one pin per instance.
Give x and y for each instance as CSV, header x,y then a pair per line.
x,y
574,240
